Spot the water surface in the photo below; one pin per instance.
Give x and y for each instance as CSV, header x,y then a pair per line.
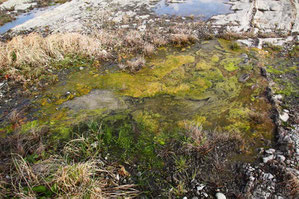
x,y
23,18
204,8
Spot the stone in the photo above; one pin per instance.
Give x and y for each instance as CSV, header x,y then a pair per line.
x,y
270,151
284,117
277,97
268,158
18,5
200,187
220,195
243,78
264,72
281,158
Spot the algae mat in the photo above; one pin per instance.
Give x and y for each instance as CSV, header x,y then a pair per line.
x,y
198,85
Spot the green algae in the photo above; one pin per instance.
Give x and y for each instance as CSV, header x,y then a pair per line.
x,y
203,65
148,119
149,81
197,86
230,47
230,64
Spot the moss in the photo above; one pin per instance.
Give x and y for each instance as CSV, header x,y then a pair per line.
x,y
215,59
230,64
203,65
230,87
230,46
29,126
272,70
149,120
148,82
238,119
201,84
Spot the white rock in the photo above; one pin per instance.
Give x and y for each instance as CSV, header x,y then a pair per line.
x,y
277,97
270,151
281,158
142,28
284,117
200,187
220,196
268,158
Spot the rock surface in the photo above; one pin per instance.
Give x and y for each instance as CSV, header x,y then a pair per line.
x,y
81,16
17,5
96,99
264,16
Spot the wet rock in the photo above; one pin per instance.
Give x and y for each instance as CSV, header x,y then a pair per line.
x,y
96,99
220,195
243,78
264,72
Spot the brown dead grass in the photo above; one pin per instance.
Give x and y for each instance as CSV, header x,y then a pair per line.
x,y
91,179
34,52
148,49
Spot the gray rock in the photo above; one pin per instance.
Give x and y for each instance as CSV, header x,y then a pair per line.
x,y
264,15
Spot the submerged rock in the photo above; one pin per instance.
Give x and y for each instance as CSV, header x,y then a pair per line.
x,y
244,77
96,99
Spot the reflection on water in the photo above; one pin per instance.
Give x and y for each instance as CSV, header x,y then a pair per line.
x,y
204,8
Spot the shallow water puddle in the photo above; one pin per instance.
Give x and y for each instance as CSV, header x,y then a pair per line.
x,y
198,85
203,8
23,18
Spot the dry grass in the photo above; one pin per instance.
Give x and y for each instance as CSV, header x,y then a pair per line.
x,y
182,39
292,184
133,65
134,38
204,141
148,49
91,179
37,52
159,41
